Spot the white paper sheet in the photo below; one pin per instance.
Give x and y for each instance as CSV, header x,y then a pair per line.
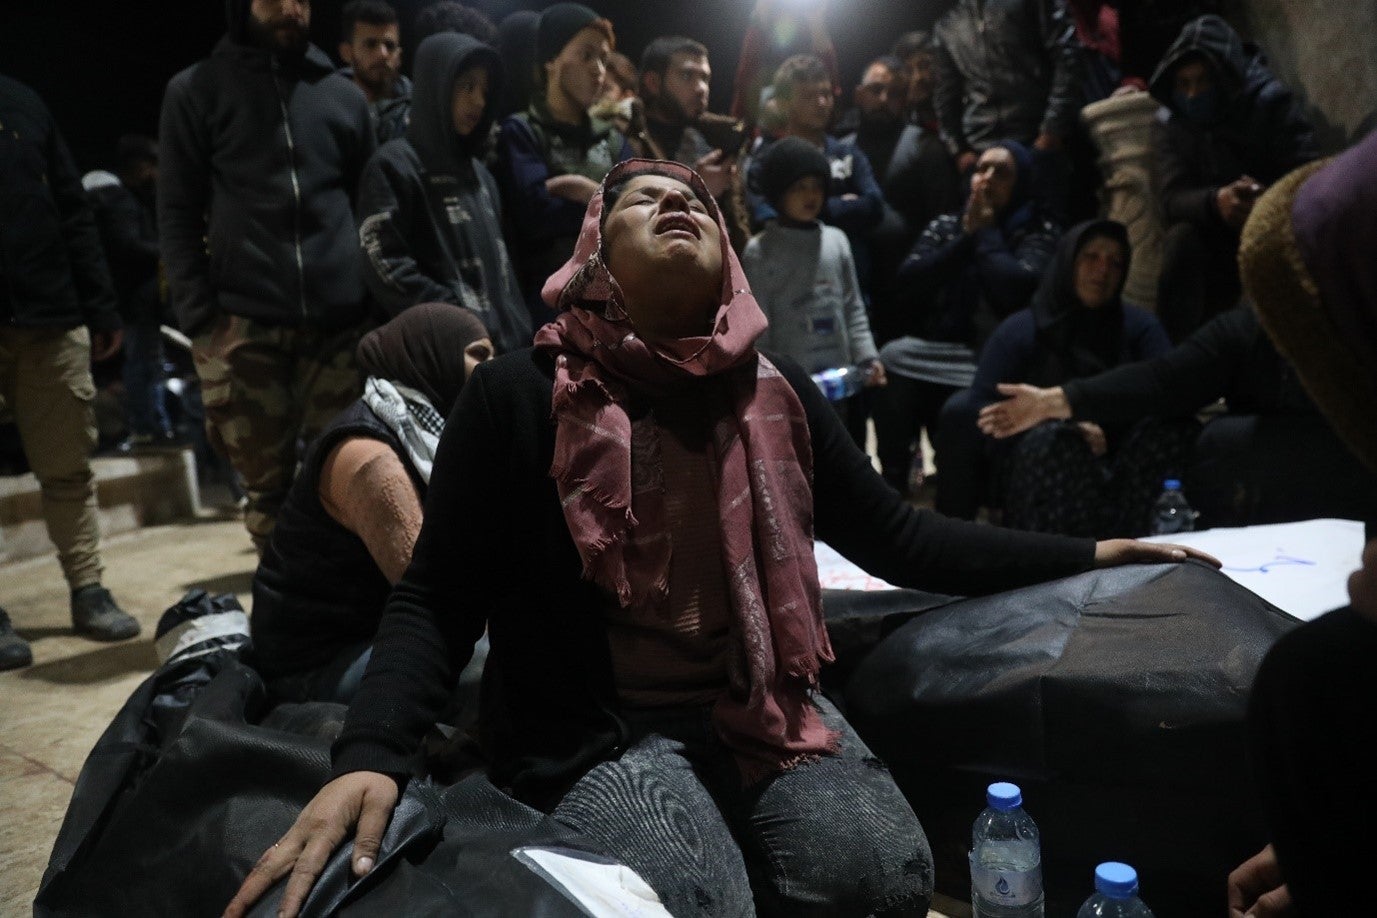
x,y
1301,568
837,573
605,889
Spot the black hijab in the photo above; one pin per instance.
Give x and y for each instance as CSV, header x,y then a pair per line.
x,y
1074,341
423,348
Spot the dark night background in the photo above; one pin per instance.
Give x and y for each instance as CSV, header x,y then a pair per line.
x,y
101,67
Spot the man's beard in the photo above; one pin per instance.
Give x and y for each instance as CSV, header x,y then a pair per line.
x,y
283,38
378,80
666,108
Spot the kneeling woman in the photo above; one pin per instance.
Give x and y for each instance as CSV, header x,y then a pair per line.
x,y
630,511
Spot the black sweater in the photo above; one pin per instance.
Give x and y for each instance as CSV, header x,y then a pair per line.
x,y
1229,357
494,550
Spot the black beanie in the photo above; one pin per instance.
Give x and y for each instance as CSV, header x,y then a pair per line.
x,y
787,161
558,26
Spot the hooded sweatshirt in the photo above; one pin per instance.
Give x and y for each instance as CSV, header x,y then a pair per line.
x,y
430,225
1253,126
260,156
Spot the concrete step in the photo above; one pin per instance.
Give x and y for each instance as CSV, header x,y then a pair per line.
x,y
148,489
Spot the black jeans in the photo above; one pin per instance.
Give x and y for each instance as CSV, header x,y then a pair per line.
x,y
831,837
1249,469
902,410
1199,278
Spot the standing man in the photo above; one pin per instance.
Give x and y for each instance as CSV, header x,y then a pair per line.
x,y
57,314
371,48
126,215
1228,130
262,147
674,83
915,173
1010,70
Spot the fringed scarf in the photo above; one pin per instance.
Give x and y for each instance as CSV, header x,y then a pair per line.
x,y
765,495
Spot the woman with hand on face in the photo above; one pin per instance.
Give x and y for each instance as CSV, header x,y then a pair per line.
x,y
966,273
551,157
630,512
1076,478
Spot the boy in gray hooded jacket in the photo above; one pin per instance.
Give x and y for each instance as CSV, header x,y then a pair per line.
x,y
802,272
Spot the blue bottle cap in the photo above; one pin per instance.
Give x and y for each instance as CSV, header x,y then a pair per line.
x,y
1172,484
1003,796
1116,881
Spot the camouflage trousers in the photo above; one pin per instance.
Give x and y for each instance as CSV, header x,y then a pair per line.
x,y
46,387
266,389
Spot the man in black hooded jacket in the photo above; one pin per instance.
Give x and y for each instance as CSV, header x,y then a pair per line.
x,y
430,226
1230,129
262,147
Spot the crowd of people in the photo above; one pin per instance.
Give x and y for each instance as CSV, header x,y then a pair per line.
x,y
347,247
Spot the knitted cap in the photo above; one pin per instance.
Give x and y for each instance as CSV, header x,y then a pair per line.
x,y
560,23
1305,263
788,160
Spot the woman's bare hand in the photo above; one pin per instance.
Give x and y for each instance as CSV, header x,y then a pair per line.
x,y
360,800
1024,407
1114,552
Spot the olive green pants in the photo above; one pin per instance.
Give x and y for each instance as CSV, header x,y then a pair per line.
x,y
266,388
46,389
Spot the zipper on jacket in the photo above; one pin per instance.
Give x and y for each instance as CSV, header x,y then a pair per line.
x,y
296,190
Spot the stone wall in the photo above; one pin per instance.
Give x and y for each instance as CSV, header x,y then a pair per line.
x,y
1326,50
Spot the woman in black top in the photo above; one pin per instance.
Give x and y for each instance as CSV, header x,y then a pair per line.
x,y
554,534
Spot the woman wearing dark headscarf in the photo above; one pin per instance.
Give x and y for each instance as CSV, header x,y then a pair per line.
x,y
430,226
967,271
648,484
345,534
1074,478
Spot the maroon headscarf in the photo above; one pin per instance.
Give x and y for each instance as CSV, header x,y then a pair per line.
x,y
765,492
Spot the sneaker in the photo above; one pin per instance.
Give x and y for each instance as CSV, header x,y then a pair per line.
x,y
14,650
95,615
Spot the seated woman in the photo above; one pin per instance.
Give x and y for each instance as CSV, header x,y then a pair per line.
x,y
629,510
966,273
1270,458
430,223
551,157
345,534
1076,478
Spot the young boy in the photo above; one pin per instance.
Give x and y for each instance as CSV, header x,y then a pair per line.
x,y
429,212
802,273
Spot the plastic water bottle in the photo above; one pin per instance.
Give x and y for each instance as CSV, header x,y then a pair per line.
x,y
840,383
1171,512
1006,858
1116,894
